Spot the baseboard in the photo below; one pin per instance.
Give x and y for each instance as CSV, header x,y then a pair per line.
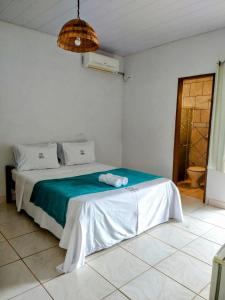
x,y
216,203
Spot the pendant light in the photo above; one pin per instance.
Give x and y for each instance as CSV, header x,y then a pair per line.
x,y
77,35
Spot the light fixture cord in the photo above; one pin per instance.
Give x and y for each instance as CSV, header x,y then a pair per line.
x,y
78,9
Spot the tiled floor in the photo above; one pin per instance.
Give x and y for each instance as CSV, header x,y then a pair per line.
x,y
186,189
172,261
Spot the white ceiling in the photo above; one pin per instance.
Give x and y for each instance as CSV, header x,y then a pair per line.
x,y
123,26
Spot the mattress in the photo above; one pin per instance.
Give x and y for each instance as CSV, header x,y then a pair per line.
x,y
98,221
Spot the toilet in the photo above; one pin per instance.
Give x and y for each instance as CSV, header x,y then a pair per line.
x,y
195,174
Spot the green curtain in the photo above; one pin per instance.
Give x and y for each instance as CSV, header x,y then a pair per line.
x,y
217,137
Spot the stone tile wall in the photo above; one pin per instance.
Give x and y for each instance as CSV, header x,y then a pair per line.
x,y
197,94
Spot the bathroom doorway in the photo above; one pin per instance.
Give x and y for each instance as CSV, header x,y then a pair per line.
x,y
192,134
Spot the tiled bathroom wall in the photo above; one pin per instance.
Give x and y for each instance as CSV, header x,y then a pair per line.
x,y
185,138
197,95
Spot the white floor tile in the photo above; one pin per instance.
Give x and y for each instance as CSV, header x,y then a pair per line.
x,y
207,214
205,292
194,226
83,284
118,266
7,254
99,253
15,279
215,209
116,296
132,239
154,285
187,270
17,226
190,204
216,235
202,249
33,242
172,235
198,298
38,293
8,212
43,264
149,249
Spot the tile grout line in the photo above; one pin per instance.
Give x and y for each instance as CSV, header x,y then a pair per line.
x,y
12,247
27,233
198,235
196,294
203,290
154,267
24,292
118,288
201,235
104,279
40,251
20,235
40,283
21,259
180,249
150,267
177,251
155,263
37,279
206,222
190,215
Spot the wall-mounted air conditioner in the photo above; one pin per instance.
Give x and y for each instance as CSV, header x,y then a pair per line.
x,y
101,62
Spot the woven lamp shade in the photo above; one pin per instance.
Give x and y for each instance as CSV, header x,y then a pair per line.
x,y
77,28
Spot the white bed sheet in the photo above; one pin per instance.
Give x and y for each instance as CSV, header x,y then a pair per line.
x,y
100,220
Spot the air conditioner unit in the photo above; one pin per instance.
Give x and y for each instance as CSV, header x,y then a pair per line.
x,y
101,62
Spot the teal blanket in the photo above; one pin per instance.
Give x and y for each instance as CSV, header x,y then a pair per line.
x,y
53,195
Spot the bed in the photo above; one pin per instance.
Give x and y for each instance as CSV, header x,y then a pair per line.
x,y
99,220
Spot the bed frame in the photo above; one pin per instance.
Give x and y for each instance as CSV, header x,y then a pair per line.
x,y
10,184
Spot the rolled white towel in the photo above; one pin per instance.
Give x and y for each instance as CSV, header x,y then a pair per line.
x,y
123,179
110,180
113,180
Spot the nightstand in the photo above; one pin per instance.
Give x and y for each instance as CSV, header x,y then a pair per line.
x,y
10,184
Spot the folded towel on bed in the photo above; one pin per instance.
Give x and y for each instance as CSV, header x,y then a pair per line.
x,y
114,180
124,180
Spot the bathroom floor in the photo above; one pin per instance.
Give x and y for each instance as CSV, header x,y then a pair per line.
x,y
185,189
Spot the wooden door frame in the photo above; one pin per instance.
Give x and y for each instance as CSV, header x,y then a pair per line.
x,y
178,123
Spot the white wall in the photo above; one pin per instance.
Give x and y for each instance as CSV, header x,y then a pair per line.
x,y
150,102
45,95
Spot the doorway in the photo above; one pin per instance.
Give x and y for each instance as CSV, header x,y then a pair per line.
x,y
192,134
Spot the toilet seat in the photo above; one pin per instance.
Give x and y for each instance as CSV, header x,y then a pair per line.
x,y
196,169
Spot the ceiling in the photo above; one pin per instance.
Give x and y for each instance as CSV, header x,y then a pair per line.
x,y
123,26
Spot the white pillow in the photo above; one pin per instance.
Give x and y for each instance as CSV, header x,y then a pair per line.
x,y
79,138
35,157
79,153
